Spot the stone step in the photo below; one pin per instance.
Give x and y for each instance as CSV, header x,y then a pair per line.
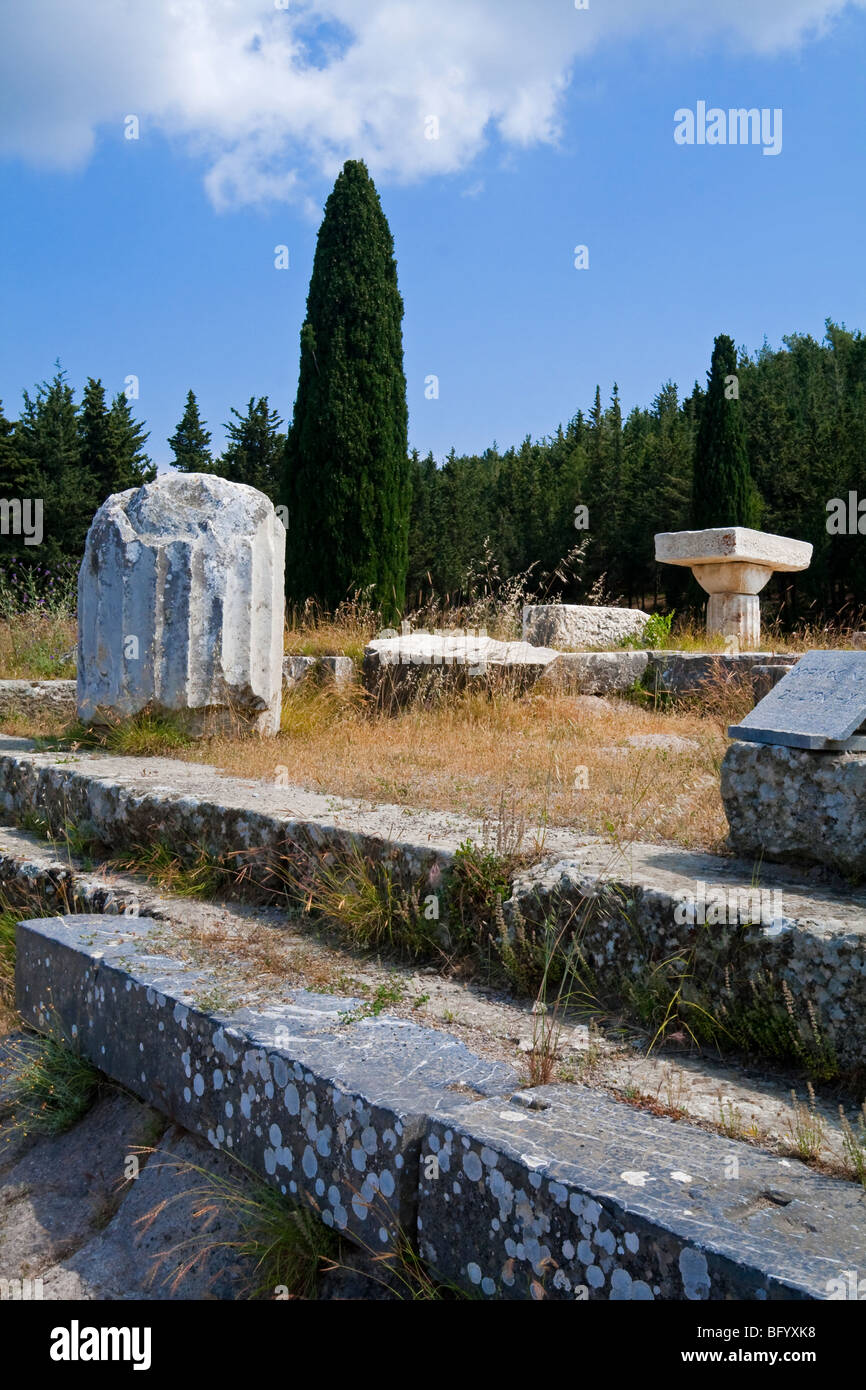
x,y
749,937
395,1130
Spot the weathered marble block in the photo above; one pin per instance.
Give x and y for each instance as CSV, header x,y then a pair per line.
x,y
580,625
181,604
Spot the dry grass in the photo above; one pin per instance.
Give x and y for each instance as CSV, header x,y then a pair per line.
x,y
312,632
464,754
560,760
556,759
37,646
689,634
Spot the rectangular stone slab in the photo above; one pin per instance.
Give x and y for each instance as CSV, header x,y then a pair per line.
x,y
732,543
818,705
328,1111
586,1198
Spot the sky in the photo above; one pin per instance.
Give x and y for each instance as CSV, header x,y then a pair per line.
x,y
155,157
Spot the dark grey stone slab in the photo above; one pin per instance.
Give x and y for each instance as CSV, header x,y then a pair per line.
x,y
586,1198
326,1109
819,704
683,674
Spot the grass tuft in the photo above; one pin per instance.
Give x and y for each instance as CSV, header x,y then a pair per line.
x,y
145,735
50,1085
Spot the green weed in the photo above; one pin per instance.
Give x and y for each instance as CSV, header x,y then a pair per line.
x,y
51,1086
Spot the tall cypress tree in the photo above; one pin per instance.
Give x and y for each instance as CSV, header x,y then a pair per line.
x,y
347,480
190,442
723,492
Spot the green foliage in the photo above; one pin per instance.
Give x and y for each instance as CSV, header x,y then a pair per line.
x,y
347,482
8,920
255,450
799,421
365,901
478,884
723,493
111,444
657,632
144,735
71,459
384,996
190,442
283,1245
765,1020
49,1086
854,1143
189,873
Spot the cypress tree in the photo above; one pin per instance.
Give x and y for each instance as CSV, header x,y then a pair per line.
x,y
723,492
190,442
347,481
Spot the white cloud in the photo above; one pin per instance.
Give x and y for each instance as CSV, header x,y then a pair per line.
x,y
270,97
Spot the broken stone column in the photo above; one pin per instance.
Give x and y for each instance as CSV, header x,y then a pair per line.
x,y
732,564
180,606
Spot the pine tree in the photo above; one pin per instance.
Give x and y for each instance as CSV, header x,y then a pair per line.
x,y
48,445
111,445
723,491
255,452
10,462
131,465
190,442
347,481
96,441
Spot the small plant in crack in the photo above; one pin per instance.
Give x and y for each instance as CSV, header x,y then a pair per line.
x,y
806,1128
49,1086
854,1143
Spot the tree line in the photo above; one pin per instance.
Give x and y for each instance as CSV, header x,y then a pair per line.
x,y
603,479
771,441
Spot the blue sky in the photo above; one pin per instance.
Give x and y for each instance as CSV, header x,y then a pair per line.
x,y
155,257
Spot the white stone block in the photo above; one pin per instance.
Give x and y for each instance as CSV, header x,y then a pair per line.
x,y
581,625
728,544
181,605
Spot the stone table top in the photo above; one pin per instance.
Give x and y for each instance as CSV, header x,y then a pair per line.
x,y
732,544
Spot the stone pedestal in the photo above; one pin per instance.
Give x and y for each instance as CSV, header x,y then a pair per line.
x,y
732,564
736,615
180,607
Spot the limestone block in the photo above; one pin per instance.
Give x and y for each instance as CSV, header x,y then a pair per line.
x,y
298,670
594,673
738,577
729,544
764,677
692,673
735,615
180,606
420,665
581,625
